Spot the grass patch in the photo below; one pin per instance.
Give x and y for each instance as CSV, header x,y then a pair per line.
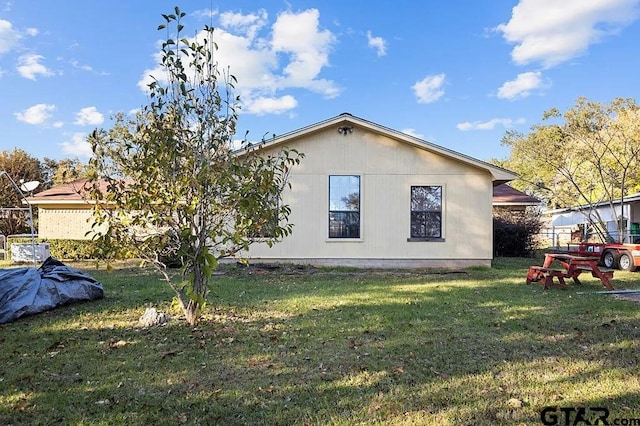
x,y
328,346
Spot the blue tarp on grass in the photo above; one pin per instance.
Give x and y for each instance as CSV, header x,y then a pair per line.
x,y
28,291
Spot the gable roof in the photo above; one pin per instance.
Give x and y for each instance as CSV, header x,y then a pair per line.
x,y
72,192
345,122
505,195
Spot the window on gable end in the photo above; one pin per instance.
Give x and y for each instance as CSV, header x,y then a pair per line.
x,y
344,206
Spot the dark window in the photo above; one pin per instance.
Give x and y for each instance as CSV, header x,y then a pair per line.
x,y
344,206
426,212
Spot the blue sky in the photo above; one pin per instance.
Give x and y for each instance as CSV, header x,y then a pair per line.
x,y
458,73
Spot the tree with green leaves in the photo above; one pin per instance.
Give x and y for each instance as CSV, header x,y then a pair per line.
x,y
20,167
168,182
586,156
58,172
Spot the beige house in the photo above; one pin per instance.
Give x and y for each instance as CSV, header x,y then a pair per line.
x,y
364,195
63,212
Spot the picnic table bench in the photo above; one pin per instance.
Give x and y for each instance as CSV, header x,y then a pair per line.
x,y
572,267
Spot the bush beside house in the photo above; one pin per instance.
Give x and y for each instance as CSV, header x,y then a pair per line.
x,y
514,233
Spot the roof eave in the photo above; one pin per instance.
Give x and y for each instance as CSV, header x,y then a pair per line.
x,y
37,201
515,203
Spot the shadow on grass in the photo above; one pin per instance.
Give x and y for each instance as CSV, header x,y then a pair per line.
x,y
336,347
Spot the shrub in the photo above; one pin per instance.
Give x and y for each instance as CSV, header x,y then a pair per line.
x,y
72,249
514,232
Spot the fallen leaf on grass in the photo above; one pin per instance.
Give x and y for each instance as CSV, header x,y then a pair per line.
x,y
514,403
270,389
375,407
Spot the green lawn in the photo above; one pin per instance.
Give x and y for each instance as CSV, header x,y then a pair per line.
x,y
331,346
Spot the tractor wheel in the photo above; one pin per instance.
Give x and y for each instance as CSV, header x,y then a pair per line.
x,y
626,262
610,259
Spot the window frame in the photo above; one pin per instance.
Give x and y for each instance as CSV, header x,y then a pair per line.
x,y
357,212
439,211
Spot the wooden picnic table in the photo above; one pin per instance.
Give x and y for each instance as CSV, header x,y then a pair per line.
x,y
572,267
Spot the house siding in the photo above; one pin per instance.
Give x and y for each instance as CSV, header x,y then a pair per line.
x,y
388,168
69,223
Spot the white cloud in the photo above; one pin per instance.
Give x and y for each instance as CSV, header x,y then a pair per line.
x,y
377,43
77,146
429,89
412,132
32,32
522,86
299,36
204,13
74,63
489,125
291,56
551,31
8,36
37,114
89,116
248,25
29,66
253,67
263,106
250,60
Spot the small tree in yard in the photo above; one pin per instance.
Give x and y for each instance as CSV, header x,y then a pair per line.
x,y
175,188
588,156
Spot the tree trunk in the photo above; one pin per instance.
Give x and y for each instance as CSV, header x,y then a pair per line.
x,y
192,302
191,313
